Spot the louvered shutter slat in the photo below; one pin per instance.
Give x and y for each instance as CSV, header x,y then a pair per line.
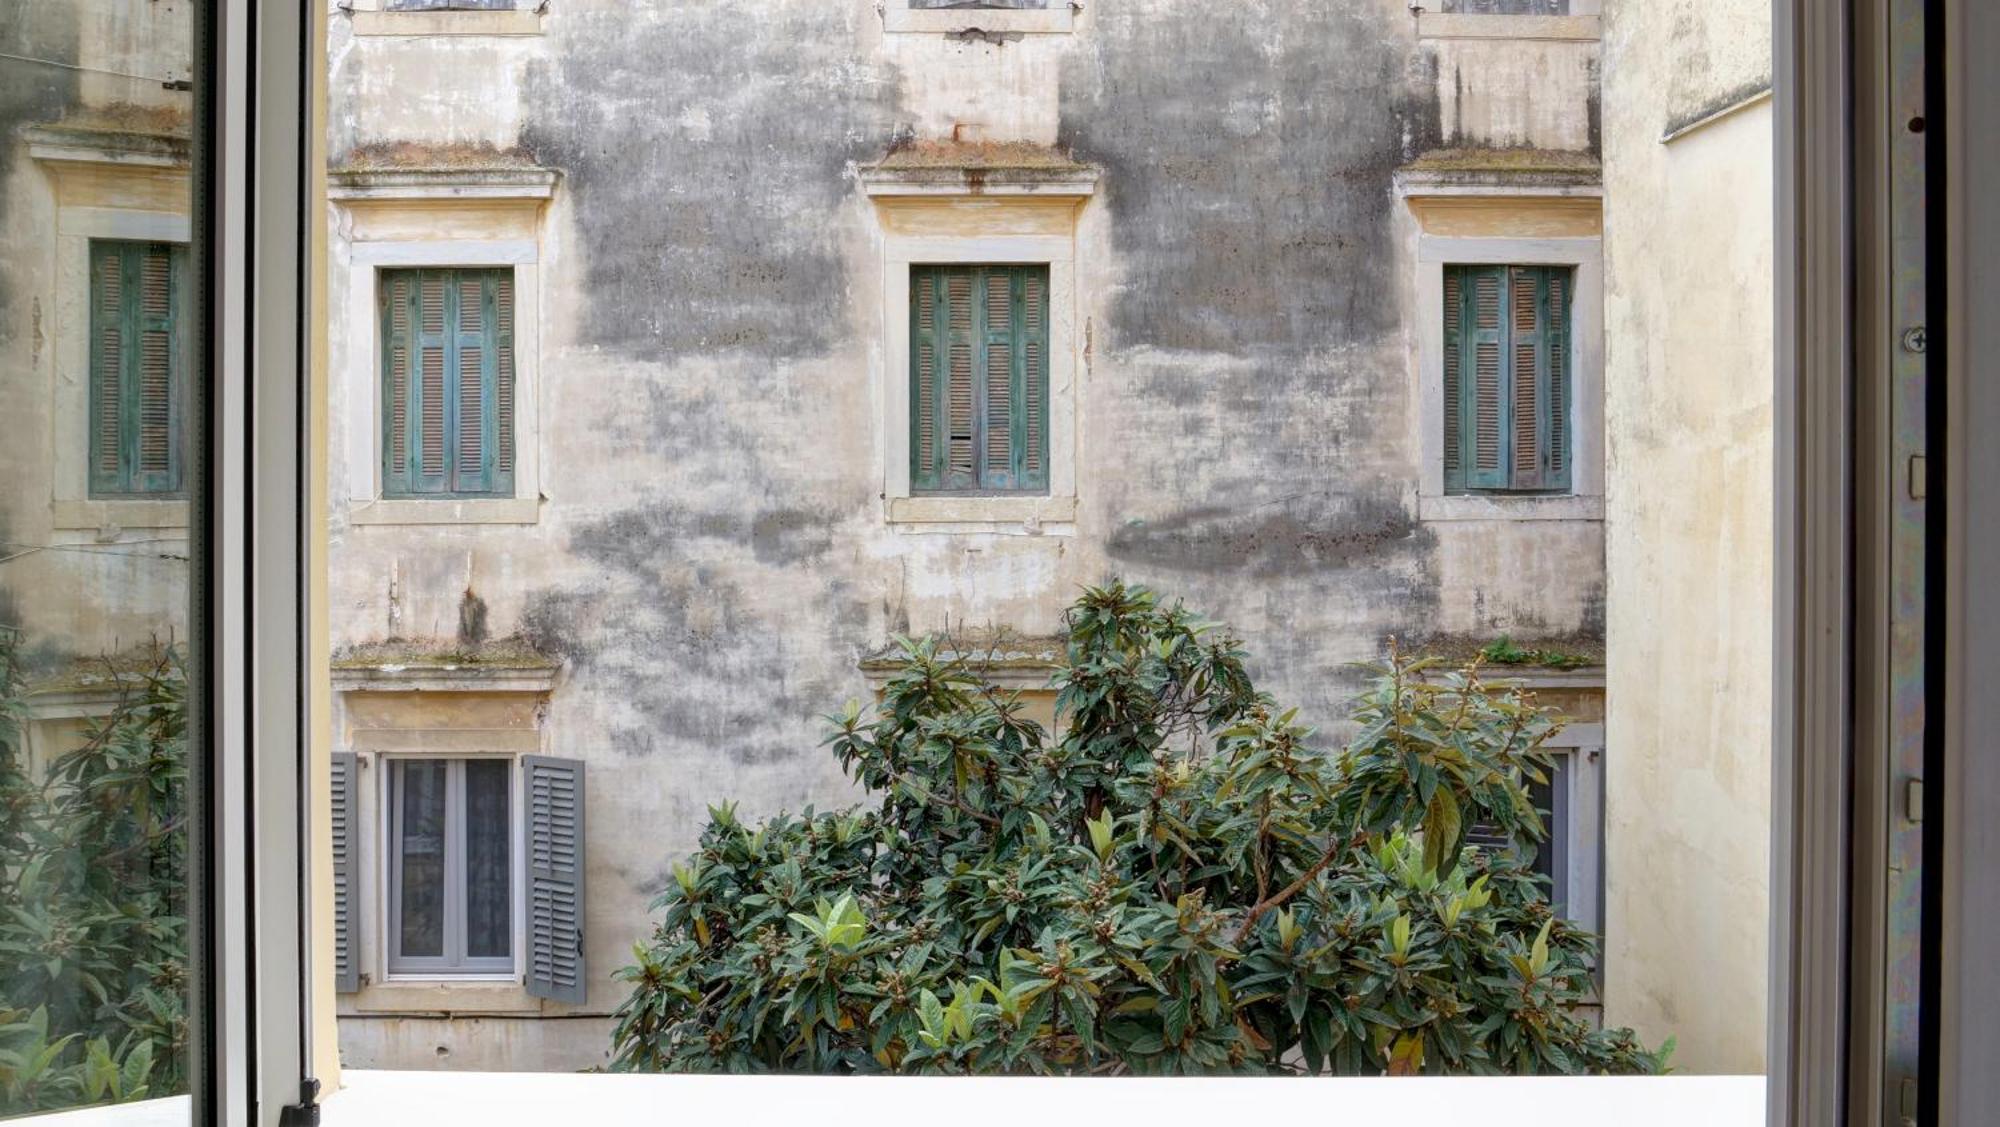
x,y
397,471
1035,375
503,419
346,956
470,414
1527,372
999,382
432,404
959,470
555,804
1454,407
1559,378
1487,405
108,369
924,472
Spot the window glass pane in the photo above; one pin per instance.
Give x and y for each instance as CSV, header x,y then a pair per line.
x,y
101,463
421,855
489,931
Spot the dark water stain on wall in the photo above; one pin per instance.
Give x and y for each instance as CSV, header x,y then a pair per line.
x,y
1249,179
1311,533
705,150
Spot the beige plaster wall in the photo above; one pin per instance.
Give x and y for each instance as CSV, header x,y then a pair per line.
x,y
1688,311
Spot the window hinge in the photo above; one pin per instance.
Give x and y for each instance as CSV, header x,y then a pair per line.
x,y
1919,471
1907,1097
1913,799
305,1113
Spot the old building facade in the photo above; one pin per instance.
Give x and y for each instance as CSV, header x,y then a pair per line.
x,y
828,321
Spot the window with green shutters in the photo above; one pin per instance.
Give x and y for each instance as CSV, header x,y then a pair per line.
x,y
1507,390
138,367
447,382
979,379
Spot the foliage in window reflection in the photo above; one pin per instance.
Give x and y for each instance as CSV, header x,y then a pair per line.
x,y
1181,883
93,911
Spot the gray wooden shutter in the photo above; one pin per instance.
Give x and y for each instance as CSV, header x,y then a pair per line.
x,y
555,877
346,955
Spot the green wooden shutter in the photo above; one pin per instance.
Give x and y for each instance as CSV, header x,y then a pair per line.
x,y
555,877
1454,409
979,378
346,956
138,367
1557,330
1527,383
1484,396
448,383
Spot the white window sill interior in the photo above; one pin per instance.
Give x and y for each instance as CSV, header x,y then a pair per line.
x,y
172,1111
501,1099
1497,507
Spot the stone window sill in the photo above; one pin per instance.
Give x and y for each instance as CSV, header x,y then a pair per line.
x,y
1502,508
172,515
500,510
1453,25
414,996
896,17
1022,516
517,23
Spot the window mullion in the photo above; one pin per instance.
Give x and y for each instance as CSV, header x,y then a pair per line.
x,y
454,864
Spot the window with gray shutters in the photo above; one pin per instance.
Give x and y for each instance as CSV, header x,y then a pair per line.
x,y
555,877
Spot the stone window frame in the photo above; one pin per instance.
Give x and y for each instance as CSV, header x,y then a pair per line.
x,y
1585,499
1025,224
899,17
453,203
378,18
133,195
383,915
382,993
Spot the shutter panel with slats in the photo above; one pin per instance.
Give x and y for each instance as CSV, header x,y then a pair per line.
x,y
346,952
1486,391
1506,378
555,877
137,367
979,378
448,383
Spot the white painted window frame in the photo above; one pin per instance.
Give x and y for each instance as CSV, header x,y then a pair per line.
x,y
72,506
899,16
366,262
1585,500
1053,513
380,880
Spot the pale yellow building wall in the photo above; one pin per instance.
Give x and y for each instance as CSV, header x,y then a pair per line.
x,y
1688,401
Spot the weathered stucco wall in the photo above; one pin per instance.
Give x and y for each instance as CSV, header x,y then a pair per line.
x,y
80,582
1688,525
712,557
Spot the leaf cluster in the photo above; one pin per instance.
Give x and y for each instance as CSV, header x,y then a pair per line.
x,y
1181,880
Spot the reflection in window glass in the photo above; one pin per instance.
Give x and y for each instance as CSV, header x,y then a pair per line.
x,y
421,841
99,311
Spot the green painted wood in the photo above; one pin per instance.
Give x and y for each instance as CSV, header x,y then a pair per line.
x,y
1486,350
446,354
138,368
958,333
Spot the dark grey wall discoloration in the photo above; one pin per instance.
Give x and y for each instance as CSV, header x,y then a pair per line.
x,y
707,147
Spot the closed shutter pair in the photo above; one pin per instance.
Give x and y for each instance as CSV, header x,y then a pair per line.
x,y
448,383
1506,379
138,367
554,809
979,394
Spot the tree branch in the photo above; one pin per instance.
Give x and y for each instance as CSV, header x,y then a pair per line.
x,y
1257,910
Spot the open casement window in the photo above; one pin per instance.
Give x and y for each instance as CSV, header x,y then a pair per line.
x,y
1507,378
138,367
979,379
448,383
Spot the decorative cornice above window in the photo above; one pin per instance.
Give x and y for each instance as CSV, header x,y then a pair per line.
x,y
1501,172
408,171
951,168
1005,660
504,666
146,136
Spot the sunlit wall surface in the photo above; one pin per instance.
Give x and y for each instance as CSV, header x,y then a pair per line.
x,y
98,320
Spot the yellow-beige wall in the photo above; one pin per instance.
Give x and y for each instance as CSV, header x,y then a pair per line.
x,y
1688,389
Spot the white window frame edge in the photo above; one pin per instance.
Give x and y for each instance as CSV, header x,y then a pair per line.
x,y
1585,501
1053,514
375,883
71,506
899,17
363,381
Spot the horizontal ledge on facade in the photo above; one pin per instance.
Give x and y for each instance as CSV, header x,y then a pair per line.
x,y
890,183
1501,172
442,184
391,678
416,997
105,515
518,22
499,510
1026,515
1470,507
898,17
1457,25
